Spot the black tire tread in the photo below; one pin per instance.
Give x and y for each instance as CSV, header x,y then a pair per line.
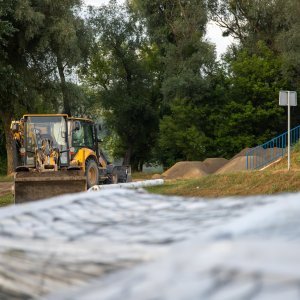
x,y
87,162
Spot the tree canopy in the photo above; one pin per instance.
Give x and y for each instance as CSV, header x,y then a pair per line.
x,y
148,69
33,36
122,75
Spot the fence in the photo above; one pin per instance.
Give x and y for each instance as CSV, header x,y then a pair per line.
x,y
262,155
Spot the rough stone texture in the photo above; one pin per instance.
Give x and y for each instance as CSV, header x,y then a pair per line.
x,y
123,244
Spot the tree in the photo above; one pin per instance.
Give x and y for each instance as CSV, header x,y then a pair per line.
x,y
65,41
181,135
251,114
250,21
6,29
33,48
288,43
22,24
187,60
121,74
264,62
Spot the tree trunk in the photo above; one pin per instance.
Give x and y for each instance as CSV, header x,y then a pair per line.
x,y
141,163
127,156
7,118
66,102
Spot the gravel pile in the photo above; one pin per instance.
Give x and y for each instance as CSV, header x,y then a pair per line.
x,y
214,164
236,164
186,170
197,169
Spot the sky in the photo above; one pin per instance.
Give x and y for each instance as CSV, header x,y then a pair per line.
x,y
214,32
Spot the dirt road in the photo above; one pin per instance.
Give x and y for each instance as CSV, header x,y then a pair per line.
x,y
5,188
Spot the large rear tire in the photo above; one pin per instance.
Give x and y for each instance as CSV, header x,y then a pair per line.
x,y
112,178
91,172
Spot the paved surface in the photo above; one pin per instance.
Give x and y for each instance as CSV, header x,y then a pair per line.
x,y
125,244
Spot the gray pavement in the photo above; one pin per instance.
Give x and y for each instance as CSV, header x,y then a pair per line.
x,y
123,244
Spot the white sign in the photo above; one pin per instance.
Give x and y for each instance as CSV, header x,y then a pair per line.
x,y
283,98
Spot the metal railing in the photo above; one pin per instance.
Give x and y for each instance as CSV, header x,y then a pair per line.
x,y
262,155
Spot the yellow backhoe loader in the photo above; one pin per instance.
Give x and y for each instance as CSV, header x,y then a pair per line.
x,y
56,154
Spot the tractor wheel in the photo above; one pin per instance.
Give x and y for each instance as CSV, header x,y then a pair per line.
x,y
113,178
91,172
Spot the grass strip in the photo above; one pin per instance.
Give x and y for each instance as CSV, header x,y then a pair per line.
x,y
6,178
235,184
6,200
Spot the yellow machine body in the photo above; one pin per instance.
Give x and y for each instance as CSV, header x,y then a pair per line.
x,y
81,156
57,154
42,160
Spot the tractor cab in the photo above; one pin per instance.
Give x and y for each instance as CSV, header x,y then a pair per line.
x,y
42,158
85,151
42,141
82,134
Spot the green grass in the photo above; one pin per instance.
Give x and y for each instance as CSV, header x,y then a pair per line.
x,y
142,175
6,200
236,184
275,179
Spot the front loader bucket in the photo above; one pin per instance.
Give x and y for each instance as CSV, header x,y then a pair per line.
x,y
31,186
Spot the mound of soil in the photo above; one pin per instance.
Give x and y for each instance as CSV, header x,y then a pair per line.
x,y
259,151
156,176
270,153
186,170
214,164
196,169
236,164
242,153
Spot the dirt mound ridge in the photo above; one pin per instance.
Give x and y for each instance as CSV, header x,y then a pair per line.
x,y
242,153
236,164
260,151
186,170
156,176
214,164
197,169
269,153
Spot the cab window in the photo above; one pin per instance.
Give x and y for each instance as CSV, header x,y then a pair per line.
x,y
84,137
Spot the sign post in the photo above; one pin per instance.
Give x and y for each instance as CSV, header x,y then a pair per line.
x,y
288,98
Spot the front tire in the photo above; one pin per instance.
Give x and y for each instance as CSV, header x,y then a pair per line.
x,y
91,172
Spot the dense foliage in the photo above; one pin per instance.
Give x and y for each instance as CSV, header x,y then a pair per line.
x,y
122,74
147,69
